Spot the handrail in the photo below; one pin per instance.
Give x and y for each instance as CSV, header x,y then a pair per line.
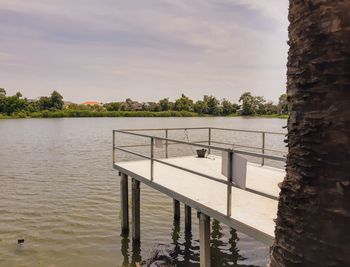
x,y
144,145
199,128
173,140
251,147
202,144
205,146
246,131
162,129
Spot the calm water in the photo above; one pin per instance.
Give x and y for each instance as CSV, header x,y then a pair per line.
x,y
59,193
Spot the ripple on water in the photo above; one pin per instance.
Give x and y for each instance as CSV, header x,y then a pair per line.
x,y
60,194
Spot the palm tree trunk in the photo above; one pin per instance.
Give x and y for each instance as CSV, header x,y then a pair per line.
x,y
313,223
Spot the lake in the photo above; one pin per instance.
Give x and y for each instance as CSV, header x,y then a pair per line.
x,y
60,194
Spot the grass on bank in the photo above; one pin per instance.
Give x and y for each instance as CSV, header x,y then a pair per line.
x,y
87,114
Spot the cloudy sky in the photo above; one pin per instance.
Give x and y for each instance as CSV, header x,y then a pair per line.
x,y
108,50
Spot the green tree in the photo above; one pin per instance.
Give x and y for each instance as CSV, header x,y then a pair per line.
x,y
201,107
2,100
183,103
248,104
13,104
212,105
113,106
96,108
228,107
270,108
252,105
164,104
44,103
56,101
259,103
282,107
151,106
74,106
2,93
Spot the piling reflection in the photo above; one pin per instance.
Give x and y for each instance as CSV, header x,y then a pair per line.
x,y
125,249
184,253
136,258
136,254
234,251
184,249
224,253
175,236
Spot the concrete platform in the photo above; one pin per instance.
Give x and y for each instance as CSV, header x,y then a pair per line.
x,y
252,214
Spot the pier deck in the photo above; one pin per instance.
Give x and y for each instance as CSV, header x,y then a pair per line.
x,y
250,205
251,213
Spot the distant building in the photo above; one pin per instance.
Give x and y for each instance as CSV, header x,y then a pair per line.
x,y
91,103
133,105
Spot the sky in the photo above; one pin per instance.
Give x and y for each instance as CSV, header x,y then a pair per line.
x,y
110,50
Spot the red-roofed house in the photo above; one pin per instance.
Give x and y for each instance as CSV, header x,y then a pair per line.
x,y
91,103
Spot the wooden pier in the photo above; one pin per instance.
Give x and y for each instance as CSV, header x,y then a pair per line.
x,y
200,184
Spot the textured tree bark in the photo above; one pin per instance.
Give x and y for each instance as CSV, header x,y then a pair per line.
x,y
313,223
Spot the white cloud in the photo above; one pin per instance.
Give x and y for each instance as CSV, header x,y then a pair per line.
x,y
144,49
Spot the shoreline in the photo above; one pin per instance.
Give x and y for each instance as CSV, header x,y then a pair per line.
x,y
115,114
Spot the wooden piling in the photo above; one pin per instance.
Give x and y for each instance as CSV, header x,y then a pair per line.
x,y
136,233
176,205
124,204
188,218
204,240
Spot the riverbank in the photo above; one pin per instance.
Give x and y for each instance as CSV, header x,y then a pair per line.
x,y
95,114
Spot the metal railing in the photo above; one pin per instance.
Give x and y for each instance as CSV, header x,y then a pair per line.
x,y
231,151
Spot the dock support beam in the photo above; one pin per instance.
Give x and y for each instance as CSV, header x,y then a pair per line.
x,y
188,217
204,240
136,234
176,205
124,204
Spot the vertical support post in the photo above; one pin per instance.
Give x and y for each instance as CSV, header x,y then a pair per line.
x,y
209,139
229,180
263,149
124,204
176,205
113,155
188,217
204,240
166,143
136,210
152,156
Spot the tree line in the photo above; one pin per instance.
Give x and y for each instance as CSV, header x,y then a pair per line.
x,y
249,105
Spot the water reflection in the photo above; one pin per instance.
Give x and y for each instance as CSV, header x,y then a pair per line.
x,y
125,249
184,253
223,254
136,254
136,258
184,250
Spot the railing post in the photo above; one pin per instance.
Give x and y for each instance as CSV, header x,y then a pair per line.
x,y
263,149
209,139
152,156
166,143
113,155
229,180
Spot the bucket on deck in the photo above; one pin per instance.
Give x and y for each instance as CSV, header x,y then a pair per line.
x,y
201,153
